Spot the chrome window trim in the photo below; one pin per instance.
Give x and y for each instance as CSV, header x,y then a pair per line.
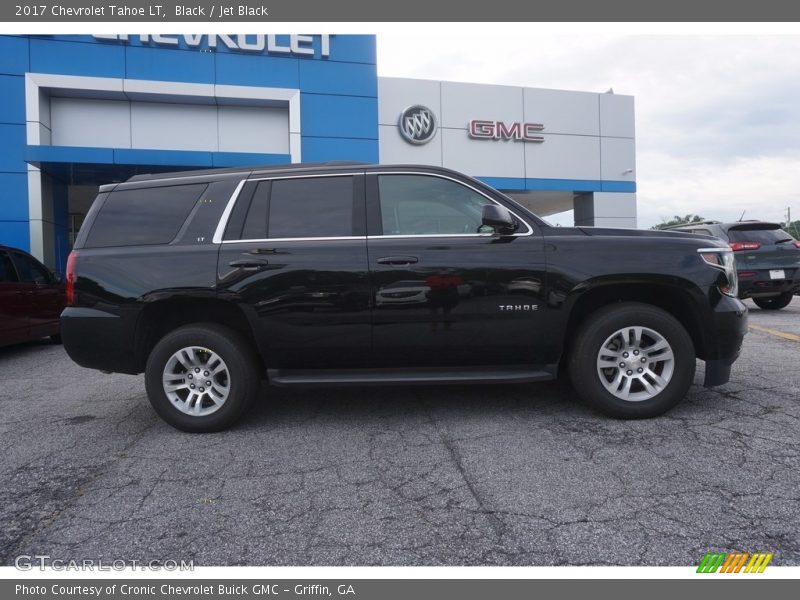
x,y
300,239
448,235
226,214
223,221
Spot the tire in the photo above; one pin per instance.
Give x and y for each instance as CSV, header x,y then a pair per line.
x,y
774,302
662,383
223,357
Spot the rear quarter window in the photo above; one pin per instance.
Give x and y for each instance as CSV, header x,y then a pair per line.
x,y
762,236
144,216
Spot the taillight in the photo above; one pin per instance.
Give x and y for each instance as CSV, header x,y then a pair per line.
x,y
736,246
70,278
797,243
747,274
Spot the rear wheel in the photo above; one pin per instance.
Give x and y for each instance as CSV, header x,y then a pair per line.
x,y
774,302
202,377
632,361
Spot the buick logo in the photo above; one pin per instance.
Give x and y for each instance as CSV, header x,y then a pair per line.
x,y
417,124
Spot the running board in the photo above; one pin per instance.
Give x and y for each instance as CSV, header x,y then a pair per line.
x,y
429,376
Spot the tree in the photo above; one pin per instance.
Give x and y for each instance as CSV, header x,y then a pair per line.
x,y
678,220
794,229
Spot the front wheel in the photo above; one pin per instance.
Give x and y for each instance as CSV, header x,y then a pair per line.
x,y
202,377
774,302
632,361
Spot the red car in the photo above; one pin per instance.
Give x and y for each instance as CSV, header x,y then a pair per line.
x,y
31,298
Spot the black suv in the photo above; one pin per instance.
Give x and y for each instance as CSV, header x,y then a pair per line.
x,y
767,259
211,281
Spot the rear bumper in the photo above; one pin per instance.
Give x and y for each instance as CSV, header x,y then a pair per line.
x,y
762,286
728,327
100,340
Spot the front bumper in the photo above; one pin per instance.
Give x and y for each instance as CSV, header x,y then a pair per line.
x,y
724,339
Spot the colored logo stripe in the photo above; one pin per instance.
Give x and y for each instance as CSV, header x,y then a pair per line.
x,y
734,562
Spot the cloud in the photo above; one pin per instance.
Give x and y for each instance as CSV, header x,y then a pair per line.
x,y
717,117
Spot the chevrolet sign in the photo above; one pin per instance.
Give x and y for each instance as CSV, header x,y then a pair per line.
x,y
296,45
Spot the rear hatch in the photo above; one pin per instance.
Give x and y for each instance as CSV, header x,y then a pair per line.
x,y
764,246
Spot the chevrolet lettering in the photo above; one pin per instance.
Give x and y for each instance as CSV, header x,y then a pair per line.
x,y
356,274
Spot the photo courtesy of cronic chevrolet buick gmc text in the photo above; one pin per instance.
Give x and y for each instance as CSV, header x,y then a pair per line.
x,y
211,281
767,259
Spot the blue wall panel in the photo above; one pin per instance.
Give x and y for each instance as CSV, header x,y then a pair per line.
x,y
14,198
76,58
12,149
318,149
169,65
12,95
16,234
338,78
13,55
339,116
248,69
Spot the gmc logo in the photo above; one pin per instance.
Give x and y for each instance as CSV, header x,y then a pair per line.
x,y
497,130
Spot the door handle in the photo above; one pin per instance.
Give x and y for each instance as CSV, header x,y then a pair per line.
x,y
398,260
249,264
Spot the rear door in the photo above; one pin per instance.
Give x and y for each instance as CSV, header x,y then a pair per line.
x,y
294,257
46,295
14,301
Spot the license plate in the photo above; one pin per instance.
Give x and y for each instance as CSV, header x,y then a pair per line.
x,y
777,274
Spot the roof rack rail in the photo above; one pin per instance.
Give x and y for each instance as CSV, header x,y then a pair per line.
x,y
709,222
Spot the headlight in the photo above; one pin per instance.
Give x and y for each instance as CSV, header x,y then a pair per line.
x,y
722,259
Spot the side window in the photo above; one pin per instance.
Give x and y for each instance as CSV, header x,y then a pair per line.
x,y
424,205
29,270
310,207
7,272
144,216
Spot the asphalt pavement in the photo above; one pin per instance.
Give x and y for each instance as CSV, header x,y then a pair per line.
x,y
456,475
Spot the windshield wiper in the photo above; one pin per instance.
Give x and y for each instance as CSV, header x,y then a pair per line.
x,y
781,241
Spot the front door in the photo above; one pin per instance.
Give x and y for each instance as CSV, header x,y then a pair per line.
x,y
447,290
294,257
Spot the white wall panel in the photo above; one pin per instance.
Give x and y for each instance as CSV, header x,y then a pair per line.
x,y
482,158
253,129
563,157
618,159
462,102
88,122
173,126
563,112
617,116
394,149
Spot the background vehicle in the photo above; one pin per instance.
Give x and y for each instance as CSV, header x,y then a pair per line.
x,y
31,298
767,259
210,281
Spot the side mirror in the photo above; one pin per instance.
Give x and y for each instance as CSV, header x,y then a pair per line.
x,y
498,217
57,277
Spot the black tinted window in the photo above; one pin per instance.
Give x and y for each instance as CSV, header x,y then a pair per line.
x,y
29,270
7,272
762,236
255,224
420,204
144,216
312,207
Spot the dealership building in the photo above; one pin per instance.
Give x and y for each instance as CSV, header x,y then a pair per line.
x,y
80,111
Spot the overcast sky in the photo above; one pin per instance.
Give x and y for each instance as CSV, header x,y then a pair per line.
x,y
717,117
